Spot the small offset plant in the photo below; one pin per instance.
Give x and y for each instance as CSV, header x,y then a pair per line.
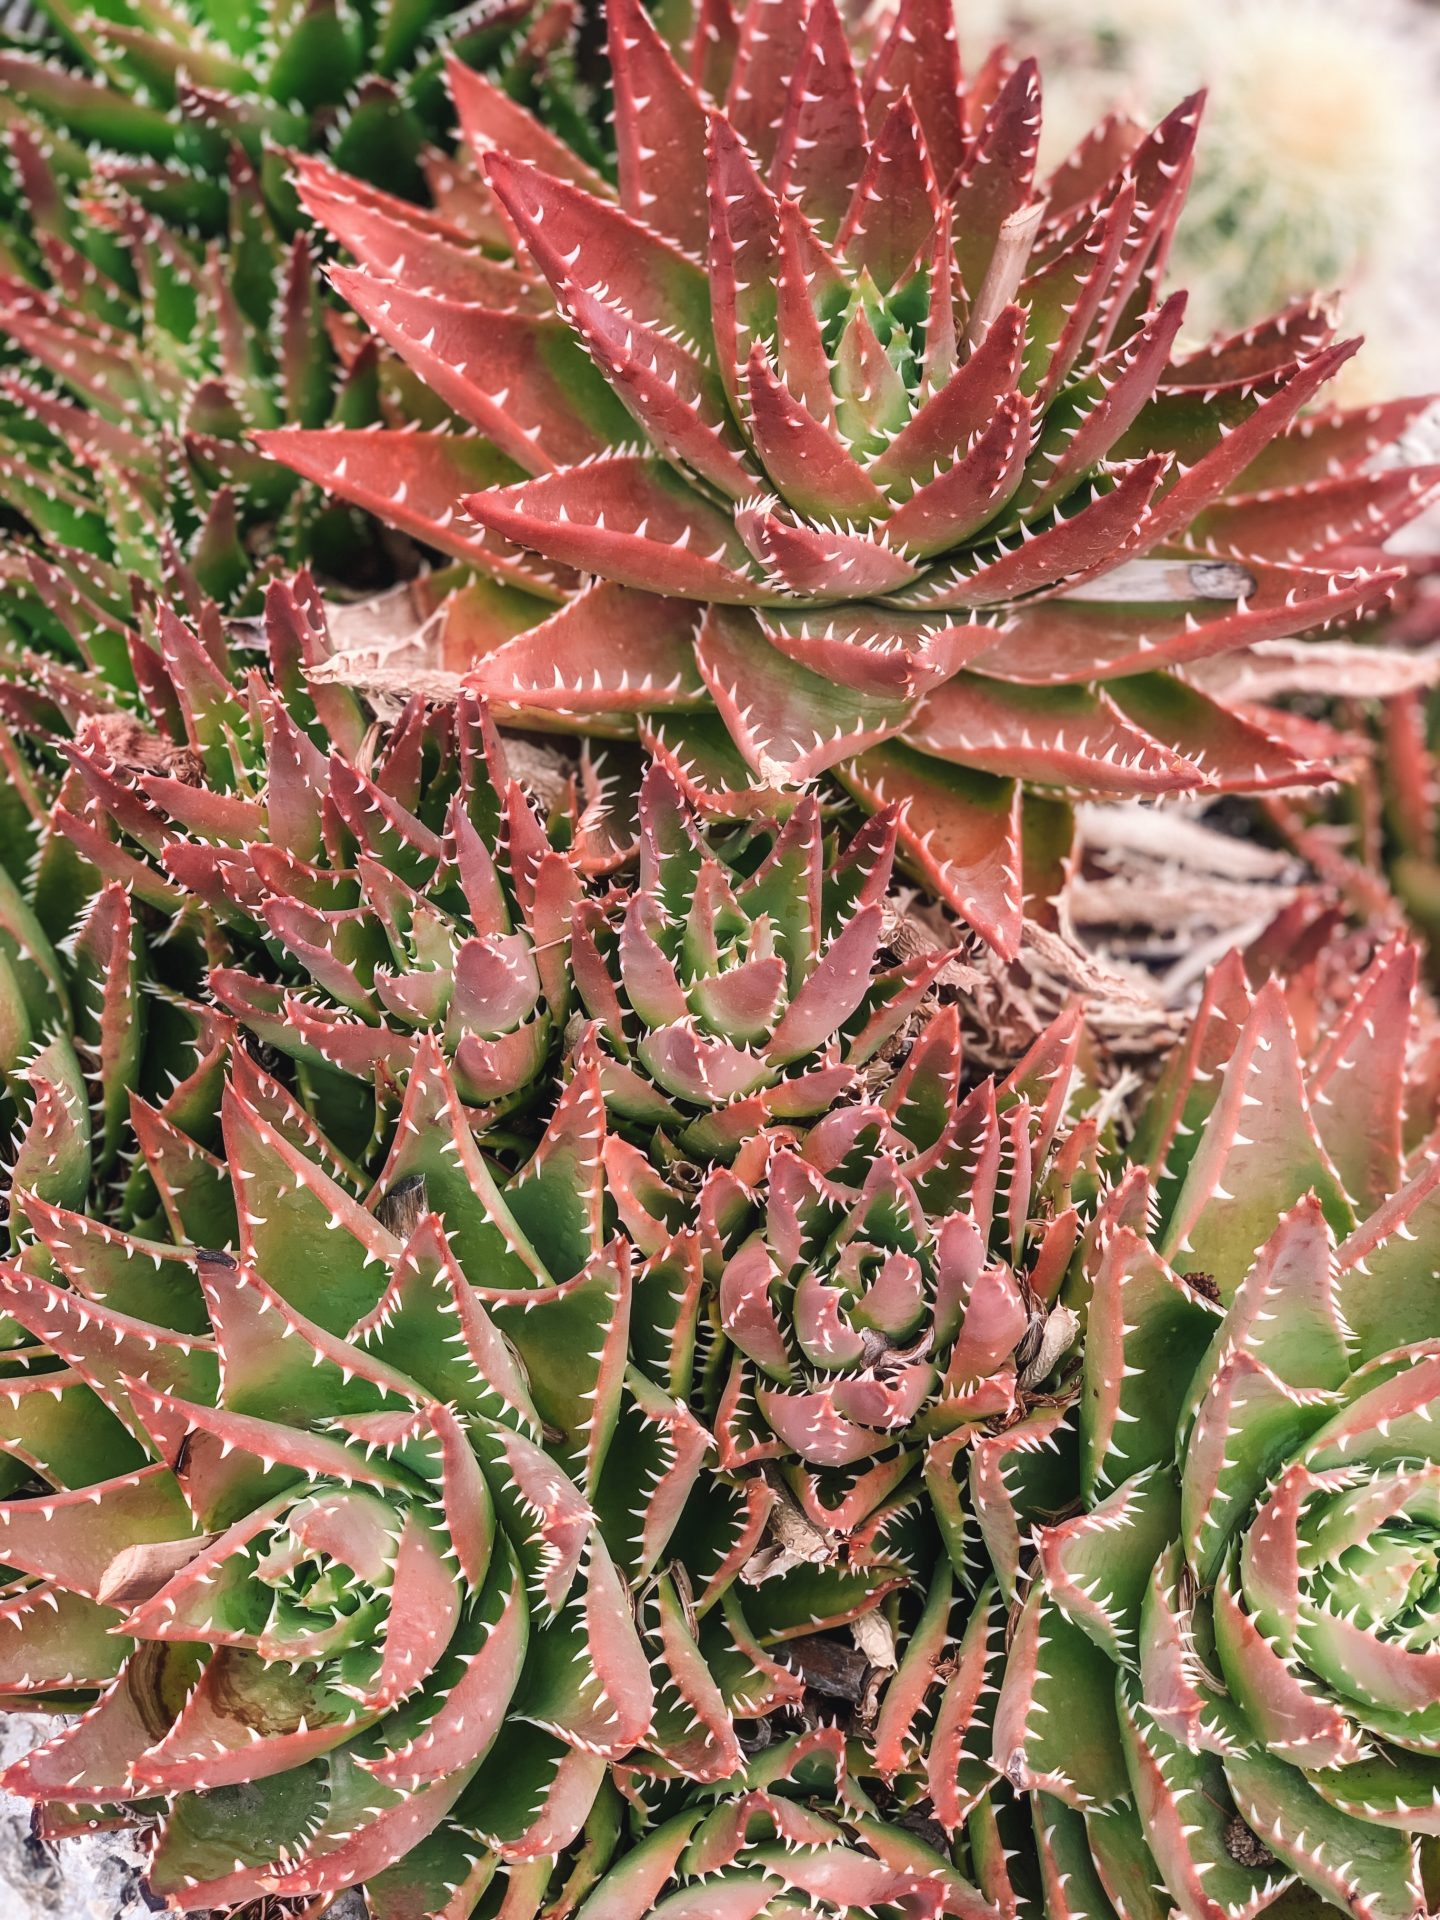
x,y
540,1378
831,441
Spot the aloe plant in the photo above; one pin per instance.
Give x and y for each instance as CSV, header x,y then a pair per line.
x,y
1215,1687
319,1560
160,302
931,498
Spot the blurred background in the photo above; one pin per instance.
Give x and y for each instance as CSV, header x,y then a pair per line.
x,y
1318,158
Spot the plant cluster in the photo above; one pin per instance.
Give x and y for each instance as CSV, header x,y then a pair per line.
x,y
543,1379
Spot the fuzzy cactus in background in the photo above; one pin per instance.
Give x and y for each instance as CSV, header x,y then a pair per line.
x,y
1320,137
929,498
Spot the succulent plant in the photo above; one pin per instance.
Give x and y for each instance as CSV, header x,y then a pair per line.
x,y
365,892
368,893
830,441
331,1553
157,97
1378,839
796,1833
886,1370
1218,1686
907,1252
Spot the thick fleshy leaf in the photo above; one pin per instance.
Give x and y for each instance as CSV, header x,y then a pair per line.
x,y
1259,1154
959,830
1056,1724
1360,1867
70,1538
1146,1325
1057,736
660,131
631,519
789,722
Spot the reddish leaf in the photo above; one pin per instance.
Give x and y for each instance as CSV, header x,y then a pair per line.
x,y
1062,737
921,54
998,174
950,418
959,502
415,481
1094,539
959,830
493,122
72,1537
789,722
601,246
890,654
659,131
518,377
821,145
808,463
772,44
629,518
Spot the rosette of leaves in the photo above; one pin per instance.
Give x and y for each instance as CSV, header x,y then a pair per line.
x,y
832,441
317,1514
885,1364
1219,1686
158,95
367,891
745,978
796,1833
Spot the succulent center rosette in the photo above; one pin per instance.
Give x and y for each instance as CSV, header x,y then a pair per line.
x,y
832,438
869,1307
742,978
893,1311
1222,1681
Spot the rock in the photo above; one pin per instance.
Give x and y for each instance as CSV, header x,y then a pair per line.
x,y
93,1877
